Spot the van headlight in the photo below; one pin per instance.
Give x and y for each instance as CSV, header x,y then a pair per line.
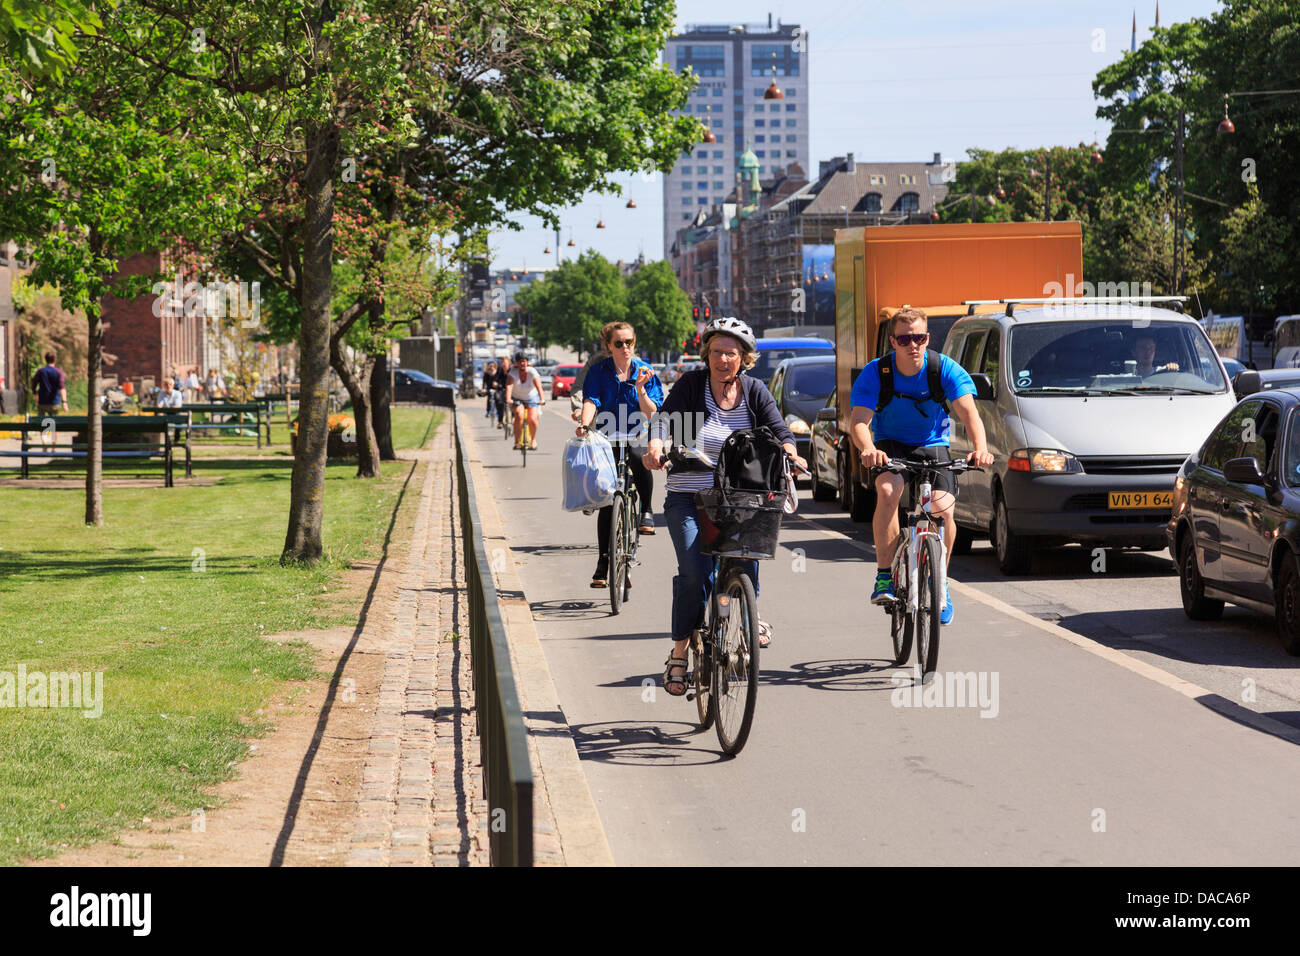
x,y
798,425
1044,460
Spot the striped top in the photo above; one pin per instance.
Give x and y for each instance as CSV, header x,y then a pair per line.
x,y
719,425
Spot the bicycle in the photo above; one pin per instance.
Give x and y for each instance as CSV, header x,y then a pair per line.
x,y
624,531
724,652
525,437
921,558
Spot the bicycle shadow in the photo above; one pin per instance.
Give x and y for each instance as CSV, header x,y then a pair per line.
x,y
642,744
566,610
836,675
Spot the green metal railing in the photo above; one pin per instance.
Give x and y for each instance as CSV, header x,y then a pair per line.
x,y
503,740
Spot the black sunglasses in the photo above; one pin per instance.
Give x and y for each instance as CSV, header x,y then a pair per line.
x,y
918,338
624,343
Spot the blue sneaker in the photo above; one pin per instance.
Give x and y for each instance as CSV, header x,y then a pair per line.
x,y
945,617
884,592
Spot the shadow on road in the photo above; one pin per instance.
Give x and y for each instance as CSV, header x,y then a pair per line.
x,y
644,744
841,675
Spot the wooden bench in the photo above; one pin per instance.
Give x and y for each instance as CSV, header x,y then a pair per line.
x,y
113,426
221,408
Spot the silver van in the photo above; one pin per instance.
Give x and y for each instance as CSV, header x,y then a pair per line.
x,y
1087,426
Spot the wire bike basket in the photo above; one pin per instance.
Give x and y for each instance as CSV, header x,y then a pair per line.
x,y
739,524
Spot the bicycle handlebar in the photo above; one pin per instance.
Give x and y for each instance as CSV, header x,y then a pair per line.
x,y
901,465
679,455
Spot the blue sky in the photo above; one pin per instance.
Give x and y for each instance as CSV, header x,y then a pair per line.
x,y
900,81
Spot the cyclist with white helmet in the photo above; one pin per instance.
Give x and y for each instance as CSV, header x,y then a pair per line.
x,y
724,400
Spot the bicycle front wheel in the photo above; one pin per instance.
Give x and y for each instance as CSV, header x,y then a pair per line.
x,y
617,566
929,605
735,662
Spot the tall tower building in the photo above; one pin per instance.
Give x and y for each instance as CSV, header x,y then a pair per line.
x,y
735,66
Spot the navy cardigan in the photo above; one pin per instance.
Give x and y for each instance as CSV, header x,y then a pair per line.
x,y
687,398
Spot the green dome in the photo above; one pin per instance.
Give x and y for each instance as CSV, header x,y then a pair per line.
x,y
748,160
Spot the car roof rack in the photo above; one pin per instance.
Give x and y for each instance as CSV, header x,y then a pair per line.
x,y
1011,304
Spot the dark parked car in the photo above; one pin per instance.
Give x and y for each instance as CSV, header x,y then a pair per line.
x,y
772,352
1235,529
411,385
801,387
1249,382
828,452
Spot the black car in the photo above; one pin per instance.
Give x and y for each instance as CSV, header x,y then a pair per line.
x,y
1248,381
412,385
828,456
801,387
1235,528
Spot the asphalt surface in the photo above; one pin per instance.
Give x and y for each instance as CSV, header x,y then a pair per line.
x,y
1065,758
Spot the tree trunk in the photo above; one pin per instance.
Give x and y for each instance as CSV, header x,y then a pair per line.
x,y
94,421
380,408
302,543
358,385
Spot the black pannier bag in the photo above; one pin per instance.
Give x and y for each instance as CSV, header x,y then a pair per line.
x,y
740,516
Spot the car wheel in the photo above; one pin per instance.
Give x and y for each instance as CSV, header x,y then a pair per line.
x,y
820,490
862,503
1287,599
841,475
1014,556
1195,604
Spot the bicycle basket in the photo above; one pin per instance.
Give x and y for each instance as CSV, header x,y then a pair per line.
x,y
739,524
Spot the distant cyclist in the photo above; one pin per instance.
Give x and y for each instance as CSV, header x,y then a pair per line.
x,y
526,390
502,374
900,404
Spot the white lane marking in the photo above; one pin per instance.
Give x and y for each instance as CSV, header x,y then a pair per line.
x,y
1201,695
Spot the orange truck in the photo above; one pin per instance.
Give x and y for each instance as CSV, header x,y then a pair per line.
x,y
935,268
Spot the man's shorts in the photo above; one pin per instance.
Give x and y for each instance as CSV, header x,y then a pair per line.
x,y
943,480
48,409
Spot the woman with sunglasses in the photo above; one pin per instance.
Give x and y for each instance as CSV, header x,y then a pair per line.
x,y
624,392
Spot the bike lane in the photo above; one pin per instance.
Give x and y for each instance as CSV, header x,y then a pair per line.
x,y
1027,749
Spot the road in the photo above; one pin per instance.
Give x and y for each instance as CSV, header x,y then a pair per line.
x,y
1074,755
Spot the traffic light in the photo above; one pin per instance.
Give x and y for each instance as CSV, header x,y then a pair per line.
x,y
707,312
695,313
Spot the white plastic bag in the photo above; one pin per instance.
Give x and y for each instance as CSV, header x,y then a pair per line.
x,y
588,472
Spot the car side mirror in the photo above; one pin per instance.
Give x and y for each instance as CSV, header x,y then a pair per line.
x,y
1243,471
1246,383
983,387
828,414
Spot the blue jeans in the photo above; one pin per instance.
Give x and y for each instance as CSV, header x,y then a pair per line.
x,y
693,583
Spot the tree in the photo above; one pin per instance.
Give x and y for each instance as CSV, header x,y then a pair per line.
x,y
94,174
574,301
1245,46
657,307
37,36
1254,251
500,106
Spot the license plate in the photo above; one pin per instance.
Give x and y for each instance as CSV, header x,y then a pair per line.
x,y
1149,500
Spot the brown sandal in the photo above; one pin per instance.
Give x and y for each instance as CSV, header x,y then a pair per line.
x,y
599,583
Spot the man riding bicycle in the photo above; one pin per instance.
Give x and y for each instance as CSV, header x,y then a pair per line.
x,y
900,410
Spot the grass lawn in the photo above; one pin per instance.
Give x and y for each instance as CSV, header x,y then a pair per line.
x,y
409,426
171,600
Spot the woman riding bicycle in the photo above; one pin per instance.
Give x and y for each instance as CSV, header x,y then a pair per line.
x,y
723,400
527,397
620,394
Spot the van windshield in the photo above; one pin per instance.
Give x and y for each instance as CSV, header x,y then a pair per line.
x,y
1072,357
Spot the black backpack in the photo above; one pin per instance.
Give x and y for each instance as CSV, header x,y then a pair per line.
x,y
751,459
933,378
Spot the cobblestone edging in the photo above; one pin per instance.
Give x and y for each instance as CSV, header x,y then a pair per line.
x,y
421,801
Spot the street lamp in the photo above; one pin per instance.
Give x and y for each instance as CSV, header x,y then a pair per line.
x,y
1225,124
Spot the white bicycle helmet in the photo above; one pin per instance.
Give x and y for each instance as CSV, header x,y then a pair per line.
x,y
728,325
